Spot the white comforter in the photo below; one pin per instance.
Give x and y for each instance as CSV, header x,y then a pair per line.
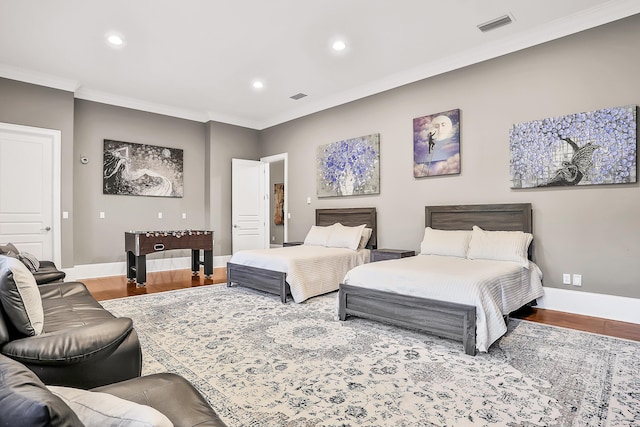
x,y
495,288
311,270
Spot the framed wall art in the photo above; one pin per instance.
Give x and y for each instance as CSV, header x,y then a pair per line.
x,y
142,170
436,144
350,167
278,204
591,148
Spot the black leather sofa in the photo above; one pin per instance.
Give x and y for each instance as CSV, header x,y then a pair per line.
x,y
45,271
26,401
82,345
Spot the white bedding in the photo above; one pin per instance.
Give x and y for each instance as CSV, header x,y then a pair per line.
x,y
495,288
311,270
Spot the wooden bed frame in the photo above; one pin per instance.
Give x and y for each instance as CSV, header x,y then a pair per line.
x,y
445,319
275,282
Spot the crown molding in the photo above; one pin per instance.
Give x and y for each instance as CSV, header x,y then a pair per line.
x,y
137,104
36,78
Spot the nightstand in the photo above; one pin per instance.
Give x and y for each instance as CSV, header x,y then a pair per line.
x,y
285,244
383,254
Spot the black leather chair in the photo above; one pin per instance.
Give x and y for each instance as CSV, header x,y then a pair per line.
x,y
25,400
82,345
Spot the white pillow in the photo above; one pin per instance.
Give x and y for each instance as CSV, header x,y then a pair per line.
x,y
345,237
318,236
103,409
364,239
500,245
445,242
20,296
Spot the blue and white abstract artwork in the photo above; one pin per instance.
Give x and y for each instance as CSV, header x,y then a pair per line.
x,y
597,147
350,167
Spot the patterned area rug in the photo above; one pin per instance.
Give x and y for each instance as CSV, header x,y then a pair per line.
x,y
263,363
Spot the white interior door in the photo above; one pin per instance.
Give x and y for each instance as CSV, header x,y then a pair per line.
x,y
29,201
249,196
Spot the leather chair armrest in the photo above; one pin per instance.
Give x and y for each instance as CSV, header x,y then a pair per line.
x,y
170,394
62,289
72,345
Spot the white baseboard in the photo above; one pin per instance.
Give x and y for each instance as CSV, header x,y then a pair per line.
x,y
589,304
91,271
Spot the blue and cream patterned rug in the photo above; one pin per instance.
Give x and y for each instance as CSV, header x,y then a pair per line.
x,y
263,363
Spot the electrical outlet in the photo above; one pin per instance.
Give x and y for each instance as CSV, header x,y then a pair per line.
x,y
101,215
159,215
273,238
184,215
577,280
566,279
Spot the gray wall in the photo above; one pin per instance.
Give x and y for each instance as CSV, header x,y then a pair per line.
x,y
225,143
30,105
591,231
102,240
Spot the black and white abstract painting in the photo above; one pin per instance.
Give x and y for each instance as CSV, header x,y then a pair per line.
x,y
142,170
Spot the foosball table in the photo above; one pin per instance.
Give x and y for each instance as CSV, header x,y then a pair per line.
x,y
138,244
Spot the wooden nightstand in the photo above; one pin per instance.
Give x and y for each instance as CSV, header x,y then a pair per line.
x,y
383,254
285,244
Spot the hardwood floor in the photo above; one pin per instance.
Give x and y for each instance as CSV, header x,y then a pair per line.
x,y
117,287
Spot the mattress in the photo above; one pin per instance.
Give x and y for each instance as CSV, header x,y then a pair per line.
x,y
311,270
495,288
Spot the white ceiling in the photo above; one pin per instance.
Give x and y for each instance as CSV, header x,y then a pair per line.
x,y
196,59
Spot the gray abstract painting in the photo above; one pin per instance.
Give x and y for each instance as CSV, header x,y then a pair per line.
x,y
142,170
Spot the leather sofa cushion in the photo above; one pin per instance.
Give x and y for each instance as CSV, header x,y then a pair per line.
x,y
20,297
24,399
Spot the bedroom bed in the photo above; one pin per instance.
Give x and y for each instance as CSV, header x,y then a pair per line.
x,y
247,268
447,294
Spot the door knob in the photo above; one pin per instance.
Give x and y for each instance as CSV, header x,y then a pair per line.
x,y
235,226
46,229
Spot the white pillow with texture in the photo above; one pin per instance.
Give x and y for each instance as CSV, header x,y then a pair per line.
x,y
364,239
103,409
345,237
500,245
445,242
318,235
20,297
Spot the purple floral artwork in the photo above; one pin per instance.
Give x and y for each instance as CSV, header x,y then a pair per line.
x,y
597,147
350,167
436,144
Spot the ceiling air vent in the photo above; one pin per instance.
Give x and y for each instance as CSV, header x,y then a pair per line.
x,y
298,96
495,23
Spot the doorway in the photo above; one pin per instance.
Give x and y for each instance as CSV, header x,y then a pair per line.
x,y
30,197
279,174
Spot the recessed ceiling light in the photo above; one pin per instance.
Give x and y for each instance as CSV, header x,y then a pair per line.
x,y
115,40
258,84
339,45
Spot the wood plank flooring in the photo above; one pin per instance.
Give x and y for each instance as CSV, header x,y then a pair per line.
x,y
117,287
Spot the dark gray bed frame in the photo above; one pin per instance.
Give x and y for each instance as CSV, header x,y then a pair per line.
x,y
445,319
275,282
